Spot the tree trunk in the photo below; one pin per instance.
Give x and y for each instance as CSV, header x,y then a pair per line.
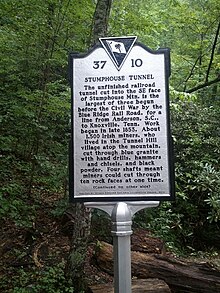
x,y
77,213
100,20
78,221
181,276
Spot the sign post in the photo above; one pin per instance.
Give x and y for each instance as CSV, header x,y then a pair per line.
x,y
121,216
121,150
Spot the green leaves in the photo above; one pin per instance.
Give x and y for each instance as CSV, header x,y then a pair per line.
x,y
197,170
50,280
214,205
188,28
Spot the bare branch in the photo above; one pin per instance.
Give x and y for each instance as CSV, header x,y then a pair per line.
x,y
212,53
191,72
203,85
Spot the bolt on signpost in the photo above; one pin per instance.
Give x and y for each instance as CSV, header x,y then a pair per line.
x,y
121,154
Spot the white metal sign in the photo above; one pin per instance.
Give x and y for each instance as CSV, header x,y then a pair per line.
x,y
121,146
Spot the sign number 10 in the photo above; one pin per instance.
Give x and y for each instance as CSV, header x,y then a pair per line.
x,y
136,62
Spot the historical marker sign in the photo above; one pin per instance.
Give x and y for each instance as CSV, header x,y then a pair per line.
x,y
121,147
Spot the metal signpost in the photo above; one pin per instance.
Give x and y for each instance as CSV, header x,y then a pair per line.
x,y
121,154
121,216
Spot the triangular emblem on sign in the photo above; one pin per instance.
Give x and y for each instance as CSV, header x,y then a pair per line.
x,y
118,48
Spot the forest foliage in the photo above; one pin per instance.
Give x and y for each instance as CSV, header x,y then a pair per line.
x,y
36,38
35,97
